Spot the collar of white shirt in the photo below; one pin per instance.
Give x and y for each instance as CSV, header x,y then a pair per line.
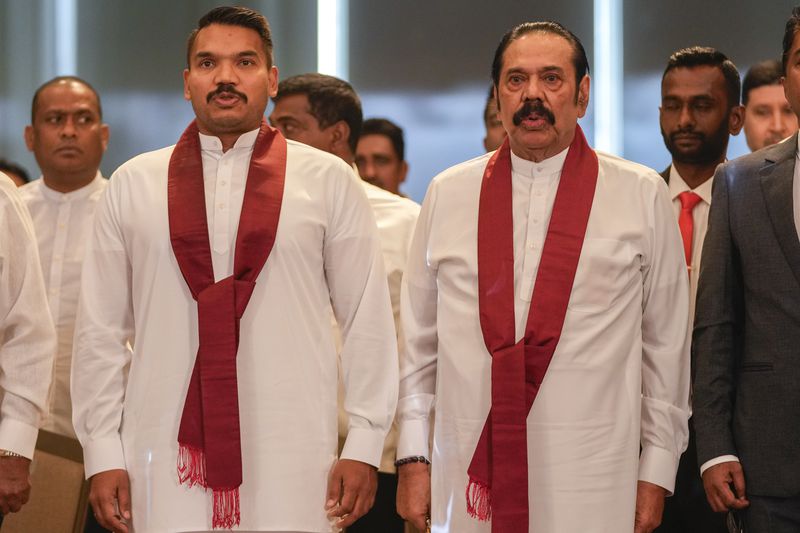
x,y
78,194
209,143
677,186
546,167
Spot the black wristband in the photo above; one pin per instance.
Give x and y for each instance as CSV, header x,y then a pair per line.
x,y
412,459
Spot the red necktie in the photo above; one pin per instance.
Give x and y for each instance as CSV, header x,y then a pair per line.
x,y
686,222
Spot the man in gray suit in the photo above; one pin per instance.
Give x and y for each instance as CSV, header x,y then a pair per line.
x,y
746,343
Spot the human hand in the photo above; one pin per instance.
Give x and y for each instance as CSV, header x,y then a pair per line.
x,y
15,483
110,497
351,491
414,494
717,482
649,506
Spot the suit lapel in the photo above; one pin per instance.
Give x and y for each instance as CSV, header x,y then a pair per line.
x,y
776,177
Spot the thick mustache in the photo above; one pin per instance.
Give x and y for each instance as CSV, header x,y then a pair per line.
x,y
533,106
226,88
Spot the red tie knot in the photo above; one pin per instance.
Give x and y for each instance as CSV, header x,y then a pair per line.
x,y
688,200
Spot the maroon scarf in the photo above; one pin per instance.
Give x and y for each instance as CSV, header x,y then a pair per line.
x,y
498,473
210,452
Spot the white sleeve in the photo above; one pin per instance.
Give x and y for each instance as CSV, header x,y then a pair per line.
x,y
665,340
360,298
27,336
418,361
103,330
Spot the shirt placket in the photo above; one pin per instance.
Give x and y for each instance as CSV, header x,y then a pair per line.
x,y
222,199
57,260
534,235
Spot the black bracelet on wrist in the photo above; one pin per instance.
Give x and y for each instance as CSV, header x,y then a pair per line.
x,y
412,459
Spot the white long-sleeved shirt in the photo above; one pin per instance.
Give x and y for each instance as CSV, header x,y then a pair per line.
x,y
27,338
619,376
127,407
63,224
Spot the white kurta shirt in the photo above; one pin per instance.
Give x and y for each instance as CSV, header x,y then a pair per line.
x,y
63,223
27,337
620,373
699,226
127,407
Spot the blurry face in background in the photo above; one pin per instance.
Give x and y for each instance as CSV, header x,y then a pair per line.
x,y
292,117
495,134
768,118
67,136
379,164
696,121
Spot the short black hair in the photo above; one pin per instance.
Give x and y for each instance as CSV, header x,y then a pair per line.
x,y
788,35
233,16
8,166
579,60
382,126
767,72
64,79
330,100
705,56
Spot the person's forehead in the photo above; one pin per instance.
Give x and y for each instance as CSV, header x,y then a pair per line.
x,y
767,94
376,142
66,96
226,39
702,80
539,50
292,105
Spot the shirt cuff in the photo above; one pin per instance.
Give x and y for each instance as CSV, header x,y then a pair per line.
x,y
658,466
18,437
103,454
718,460
413,439
365,445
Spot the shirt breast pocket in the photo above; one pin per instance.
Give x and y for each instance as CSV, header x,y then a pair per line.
x,y
606,270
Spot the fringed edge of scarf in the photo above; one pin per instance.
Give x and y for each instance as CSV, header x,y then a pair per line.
x,y
479,500
191,466
192,471
226,509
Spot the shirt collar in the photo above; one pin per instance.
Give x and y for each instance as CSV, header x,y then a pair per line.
x,y
677,186
211,143
77,194
546,167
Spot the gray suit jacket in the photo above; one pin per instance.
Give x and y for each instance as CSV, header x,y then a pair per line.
x,y
746,341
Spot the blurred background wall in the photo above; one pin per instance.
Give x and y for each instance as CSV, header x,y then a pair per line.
x,y
422,63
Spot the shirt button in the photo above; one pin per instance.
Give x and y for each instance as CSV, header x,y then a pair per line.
x,y
221,206
535,220
61,226
532,246
223,182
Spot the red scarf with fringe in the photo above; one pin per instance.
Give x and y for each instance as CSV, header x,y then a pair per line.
x,y
498,473
210,452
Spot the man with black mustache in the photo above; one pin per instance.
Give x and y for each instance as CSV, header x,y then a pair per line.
x,y
545,305
699,111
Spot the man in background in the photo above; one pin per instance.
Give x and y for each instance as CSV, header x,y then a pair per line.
x,y
495,134
381,154
768,119
699,112
325,112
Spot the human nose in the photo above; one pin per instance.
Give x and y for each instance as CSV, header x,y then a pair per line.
x,y
778,123
225,73
533,89
368,169
685,117
68,130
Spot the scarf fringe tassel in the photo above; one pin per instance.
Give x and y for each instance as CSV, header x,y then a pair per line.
x,y
479,501
191,466
226,509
